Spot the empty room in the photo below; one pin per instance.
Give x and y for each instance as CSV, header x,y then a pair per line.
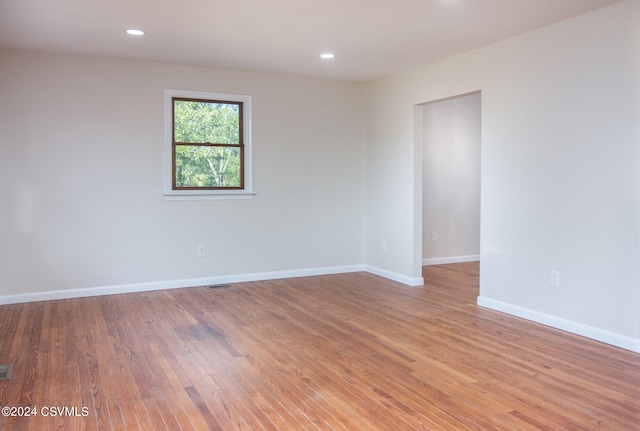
x,y
301,215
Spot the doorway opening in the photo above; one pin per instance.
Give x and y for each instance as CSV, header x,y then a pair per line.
x,y
451,137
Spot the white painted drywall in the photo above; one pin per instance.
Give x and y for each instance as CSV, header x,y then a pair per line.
x,y
451,178
560,169
82,175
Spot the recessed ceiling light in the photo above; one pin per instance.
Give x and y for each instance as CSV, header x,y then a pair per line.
x,y
134,32
327,56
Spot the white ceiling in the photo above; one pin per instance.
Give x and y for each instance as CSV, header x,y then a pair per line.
x,y
371,38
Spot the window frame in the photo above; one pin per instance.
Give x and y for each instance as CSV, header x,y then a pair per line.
x,y
175,144
245,191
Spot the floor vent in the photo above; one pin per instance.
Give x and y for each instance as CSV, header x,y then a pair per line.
x,y
5,372
219,286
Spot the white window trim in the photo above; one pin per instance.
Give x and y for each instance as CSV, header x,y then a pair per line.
x,y
169,193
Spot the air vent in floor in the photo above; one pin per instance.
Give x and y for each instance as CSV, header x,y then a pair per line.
x,y
5,372
219,286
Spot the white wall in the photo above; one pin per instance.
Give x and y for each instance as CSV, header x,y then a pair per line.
x,y
82,174
560,171
451,180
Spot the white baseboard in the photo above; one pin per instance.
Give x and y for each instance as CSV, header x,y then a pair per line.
x,y
597,334
173,284
453,259
205,281
417,281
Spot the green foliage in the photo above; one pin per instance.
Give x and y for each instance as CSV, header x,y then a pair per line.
x,y
207,166
197,123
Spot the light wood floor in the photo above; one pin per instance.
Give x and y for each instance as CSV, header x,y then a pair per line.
x,y
339,352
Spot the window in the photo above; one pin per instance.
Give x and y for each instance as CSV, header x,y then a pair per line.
x,y
208,145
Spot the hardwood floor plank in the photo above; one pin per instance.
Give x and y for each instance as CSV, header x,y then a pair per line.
x,y
116,416
201,405
338,352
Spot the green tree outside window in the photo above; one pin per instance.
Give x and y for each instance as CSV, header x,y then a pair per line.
x,y
207,144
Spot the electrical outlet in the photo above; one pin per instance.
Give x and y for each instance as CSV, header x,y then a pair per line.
x,y
554,278
434,236
384,245
202,251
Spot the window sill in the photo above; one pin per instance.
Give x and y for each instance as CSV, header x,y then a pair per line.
x,y
207,195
